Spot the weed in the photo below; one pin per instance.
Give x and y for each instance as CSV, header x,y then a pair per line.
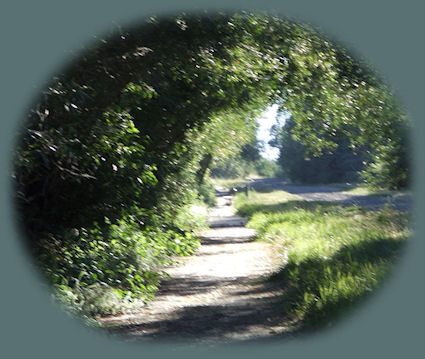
x,y
335,255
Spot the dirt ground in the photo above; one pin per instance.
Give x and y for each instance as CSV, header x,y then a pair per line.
x,y
219,295
216,295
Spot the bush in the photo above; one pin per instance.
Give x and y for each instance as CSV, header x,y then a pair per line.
x,y
268,168
390,168
101,270
206,193
232,168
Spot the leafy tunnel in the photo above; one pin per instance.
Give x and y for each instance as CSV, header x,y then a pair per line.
x,y
120,141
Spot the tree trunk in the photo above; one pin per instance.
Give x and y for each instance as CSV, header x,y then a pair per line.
x,y
204,165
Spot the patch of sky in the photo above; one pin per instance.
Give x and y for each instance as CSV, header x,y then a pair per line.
x,y
266,121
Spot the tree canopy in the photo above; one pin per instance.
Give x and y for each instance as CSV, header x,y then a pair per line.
x,y
128,131
341,166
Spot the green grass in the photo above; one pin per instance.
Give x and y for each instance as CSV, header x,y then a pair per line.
x,y
334,256
364,190
231,182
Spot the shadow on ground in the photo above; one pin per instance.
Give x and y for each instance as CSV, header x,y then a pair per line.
x,y
213,323
224,240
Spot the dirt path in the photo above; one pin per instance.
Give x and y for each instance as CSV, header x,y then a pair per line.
x,y
216,295
400,201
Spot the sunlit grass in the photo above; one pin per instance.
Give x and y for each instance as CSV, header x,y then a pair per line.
x,y
233,182
334,255
248,205
228,182
364,190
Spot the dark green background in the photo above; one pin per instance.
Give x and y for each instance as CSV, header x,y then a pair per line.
x,y
38,37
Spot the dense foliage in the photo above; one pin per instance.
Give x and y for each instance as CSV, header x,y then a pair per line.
x,y
341,165
247,161
119,144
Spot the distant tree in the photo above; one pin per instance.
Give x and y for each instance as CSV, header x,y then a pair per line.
x,y
342,165
129,131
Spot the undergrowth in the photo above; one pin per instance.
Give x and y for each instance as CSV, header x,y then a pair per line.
x,y
334,255
113,268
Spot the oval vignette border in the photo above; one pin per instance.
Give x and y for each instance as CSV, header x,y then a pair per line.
x,y
39,37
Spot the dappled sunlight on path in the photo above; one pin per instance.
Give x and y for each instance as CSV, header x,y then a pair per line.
x,y
216,295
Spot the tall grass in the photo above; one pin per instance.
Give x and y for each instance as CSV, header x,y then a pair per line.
x,y
335,255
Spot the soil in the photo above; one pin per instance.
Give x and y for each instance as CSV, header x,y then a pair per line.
x,y
219,295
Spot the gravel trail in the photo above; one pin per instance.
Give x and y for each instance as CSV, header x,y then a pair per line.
x,y
217,295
